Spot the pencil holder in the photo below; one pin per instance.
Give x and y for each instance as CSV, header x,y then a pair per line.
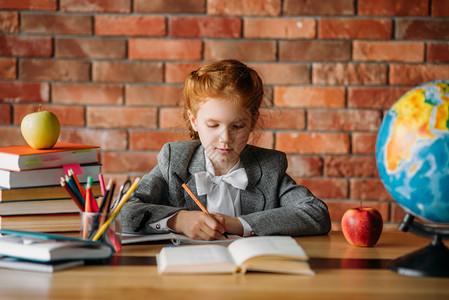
x,y
90,223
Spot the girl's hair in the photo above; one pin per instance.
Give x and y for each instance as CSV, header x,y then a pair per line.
x,y
229,80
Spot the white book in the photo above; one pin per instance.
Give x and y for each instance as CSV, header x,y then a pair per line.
x,y
277,254
44,177
46,247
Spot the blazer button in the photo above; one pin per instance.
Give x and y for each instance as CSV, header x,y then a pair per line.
x,y
158,226
253,233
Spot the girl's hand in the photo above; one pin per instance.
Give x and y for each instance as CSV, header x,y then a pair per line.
x,y
198,225
232,224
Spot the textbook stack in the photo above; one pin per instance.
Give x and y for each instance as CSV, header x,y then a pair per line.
x,y
31,196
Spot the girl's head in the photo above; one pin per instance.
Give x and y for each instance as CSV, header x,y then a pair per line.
x,y
222,108
228,80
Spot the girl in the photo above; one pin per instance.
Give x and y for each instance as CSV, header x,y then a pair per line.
x,y
245,188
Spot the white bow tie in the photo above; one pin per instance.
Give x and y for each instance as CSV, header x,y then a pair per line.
x,y
205,181
218,194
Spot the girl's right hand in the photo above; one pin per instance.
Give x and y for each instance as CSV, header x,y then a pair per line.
x,y
197,225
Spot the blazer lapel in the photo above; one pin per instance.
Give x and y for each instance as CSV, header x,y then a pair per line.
x,y
197,164
251,199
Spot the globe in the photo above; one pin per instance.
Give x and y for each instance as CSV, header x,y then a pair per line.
x,y
412,151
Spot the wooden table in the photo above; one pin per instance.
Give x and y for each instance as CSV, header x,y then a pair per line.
x,y
342,272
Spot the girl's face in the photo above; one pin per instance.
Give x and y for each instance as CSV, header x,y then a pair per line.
x,y
224,128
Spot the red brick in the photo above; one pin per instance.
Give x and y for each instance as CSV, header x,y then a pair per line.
x,y
67,115
283,73
115,162
153,95
177,72
27,4
312,142
8,68
13,45
374,97
43,69
245,50
435,29
11,136
416,74
363,143
154,140
440,8
388,51
205,27
349,73
121,117
118,71
314,51
350,166
9,21
282,28
172,118
397,212
56,24
264,139
161,49
303,166
121,6
130,25
438,52
282,119
338,208
344,120
5,114
248,7
309,96
393,8
18,91
77,93
345,28
90,48
322,7
326,188
170,6
107,139
364,189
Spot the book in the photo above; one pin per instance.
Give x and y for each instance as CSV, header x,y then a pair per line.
x,y
53,206
44,177
46,247
277,254
42,223
39,193
25,265
23,157
175,238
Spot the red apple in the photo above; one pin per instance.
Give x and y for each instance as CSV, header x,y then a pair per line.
x,y
362,226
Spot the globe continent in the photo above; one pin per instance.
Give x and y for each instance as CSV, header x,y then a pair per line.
x,y
412,151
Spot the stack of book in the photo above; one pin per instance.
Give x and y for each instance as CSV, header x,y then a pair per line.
x,y
31,196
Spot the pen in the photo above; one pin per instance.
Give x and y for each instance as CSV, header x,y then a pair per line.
x,y
191,194
116,210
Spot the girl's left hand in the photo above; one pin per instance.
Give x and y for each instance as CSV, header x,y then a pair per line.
x,y
232,224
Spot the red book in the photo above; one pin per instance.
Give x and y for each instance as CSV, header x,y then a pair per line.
x,y
19,158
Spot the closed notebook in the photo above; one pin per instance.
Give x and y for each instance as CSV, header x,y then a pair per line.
x,y
25,265
277,254
45,247
43,177
23,157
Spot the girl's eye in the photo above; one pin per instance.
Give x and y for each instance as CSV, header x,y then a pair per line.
x,y
212,125
237,126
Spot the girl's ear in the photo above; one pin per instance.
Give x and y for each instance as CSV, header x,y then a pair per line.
x,y
192,119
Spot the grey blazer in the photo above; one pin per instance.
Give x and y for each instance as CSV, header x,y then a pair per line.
x,y
272,204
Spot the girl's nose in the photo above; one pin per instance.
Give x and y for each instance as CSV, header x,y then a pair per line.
x,y
225,136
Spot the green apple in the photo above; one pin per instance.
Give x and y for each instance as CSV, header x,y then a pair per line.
x,y
40,129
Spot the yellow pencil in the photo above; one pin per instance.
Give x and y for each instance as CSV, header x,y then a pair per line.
x,y
116,210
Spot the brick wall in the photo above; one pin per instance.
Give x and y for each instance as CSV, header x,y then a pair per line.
x,y
112,71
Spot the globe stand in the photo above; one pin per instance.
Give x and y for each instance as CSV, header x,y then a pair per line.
x,y
432,260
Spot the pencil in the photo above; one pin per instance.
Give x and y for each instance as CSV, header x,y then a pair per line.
x,y
191,194
103,188
72,185
69,191
116,210
72,175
